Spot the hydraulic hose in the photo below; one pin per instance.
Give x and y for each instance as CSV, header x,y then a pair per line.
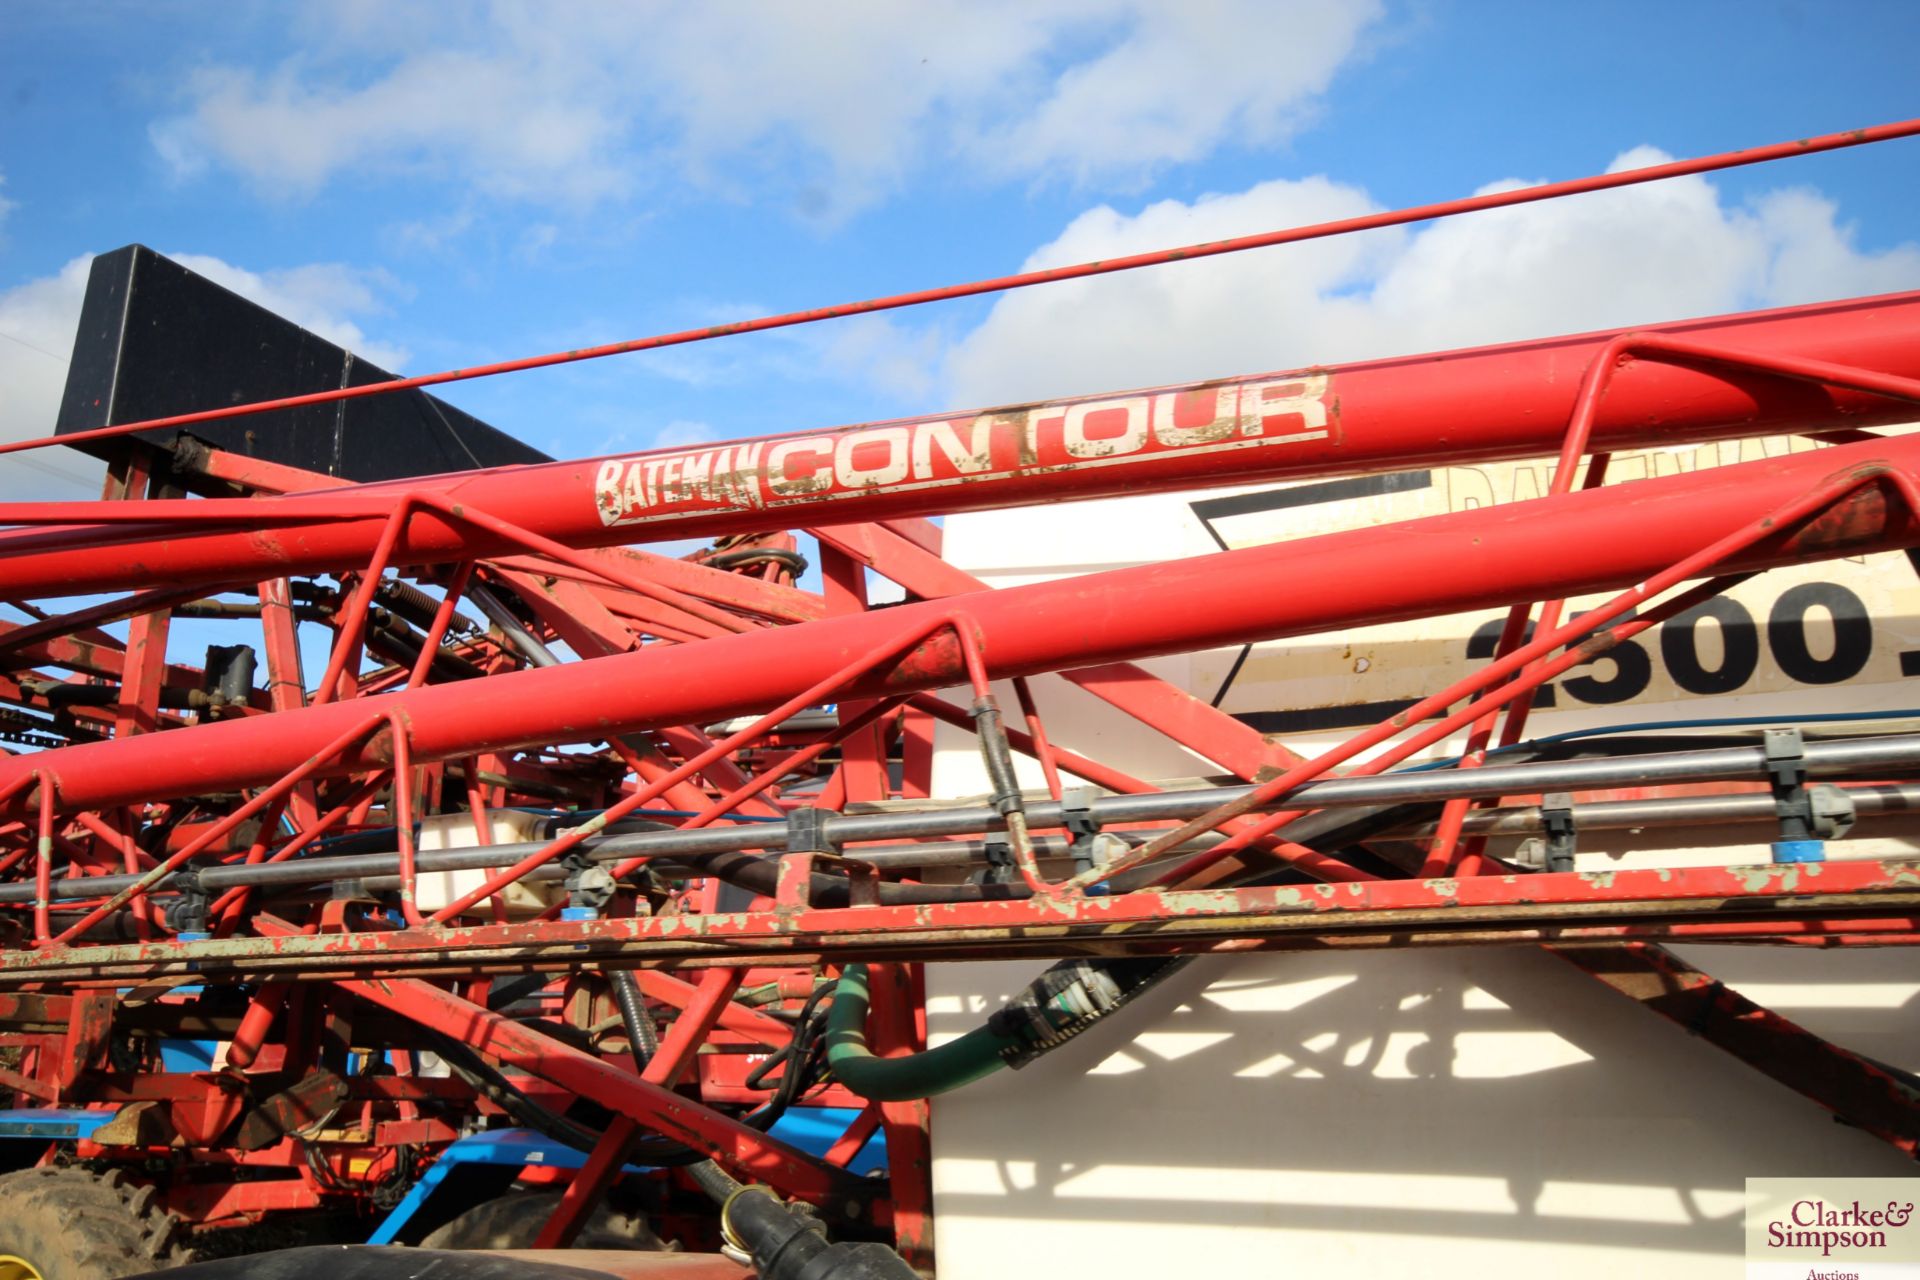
x,y
783,1244
794,562
1061,1004
980,1052
762,876
642,1039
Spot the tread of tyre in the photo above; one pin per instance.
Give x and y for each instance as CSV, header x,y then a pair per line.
x,y
513,1221
74,1224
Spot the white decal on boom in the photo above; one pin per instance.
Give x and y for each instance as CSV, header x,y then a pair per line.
x,y
932,453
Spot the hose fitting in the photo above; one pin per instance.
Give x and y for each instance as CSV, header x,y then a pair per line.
x,y
786,1245
996,754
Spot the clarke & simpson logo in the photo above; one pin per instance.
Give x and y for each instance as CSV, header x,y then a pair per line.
x,y
1832,1229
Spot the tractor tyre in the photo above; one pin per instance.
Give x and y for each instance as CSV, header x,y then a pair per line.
x,y
73,1224
513,1221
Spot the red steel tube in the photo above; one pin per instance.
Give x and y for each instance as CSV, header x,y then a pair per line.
x,y
718,751
714,992
665,1068
1001,284
255,1023
1441,855
733,1144
771,775
1569,545
1476,405
43,859
283,781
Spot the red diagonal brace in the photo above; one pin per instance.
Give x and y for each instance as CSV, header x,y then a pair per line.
x,y
665,1068
1204,730
750,1153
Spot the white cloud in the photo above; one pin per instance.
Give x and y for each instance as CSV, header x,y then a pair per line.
x,y
37,321
829,104
1180,80
1640,254
6,206
474,111
432,234
685,431
1816,256
37,324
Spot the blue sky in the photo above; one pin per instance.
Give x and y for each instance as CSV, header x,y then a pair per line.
x,y
445,184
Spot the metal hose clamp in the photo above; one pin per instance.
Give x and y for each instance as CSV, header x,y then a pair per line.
x,y
727,1237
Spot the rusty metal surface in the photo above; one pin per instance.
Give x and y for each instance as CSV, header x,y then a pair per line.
x,y
1773,895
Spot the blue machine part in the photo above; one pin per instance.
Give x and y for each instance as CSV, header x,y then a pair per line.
x,y
188,1055
1799,851
812,1129
815,1129
52,1124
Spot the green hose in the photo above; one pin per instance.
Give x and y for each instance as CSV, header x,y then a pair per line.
x,y
921,1075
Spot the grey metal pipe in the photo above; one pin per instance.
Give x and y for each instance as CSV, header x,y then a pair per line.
x,y
900,857
502,617
1674,811
1757,808
1855,757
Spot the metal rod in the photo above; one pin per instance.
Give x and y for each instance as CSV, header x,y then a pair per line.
x,y
512,628
1002,284
1146,921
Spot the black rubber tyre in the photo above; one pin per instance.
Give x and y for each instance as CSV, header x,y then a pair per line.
x,y
73,1224
513,1221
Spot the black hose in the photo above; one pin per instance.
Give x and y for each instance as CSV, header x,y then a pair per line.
x,y
740,557
802,1059
487,1080
417,607
642,1040
511,990
787,1246
784,1244
481,1076
761,875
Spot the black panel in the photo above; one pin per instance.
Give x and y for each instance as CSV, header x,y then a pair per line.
x,y
1307,495
155,339
1309,719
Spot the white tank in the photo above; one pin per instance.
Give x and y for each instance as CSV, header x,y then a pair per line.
x,y
1425,1113
435,889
